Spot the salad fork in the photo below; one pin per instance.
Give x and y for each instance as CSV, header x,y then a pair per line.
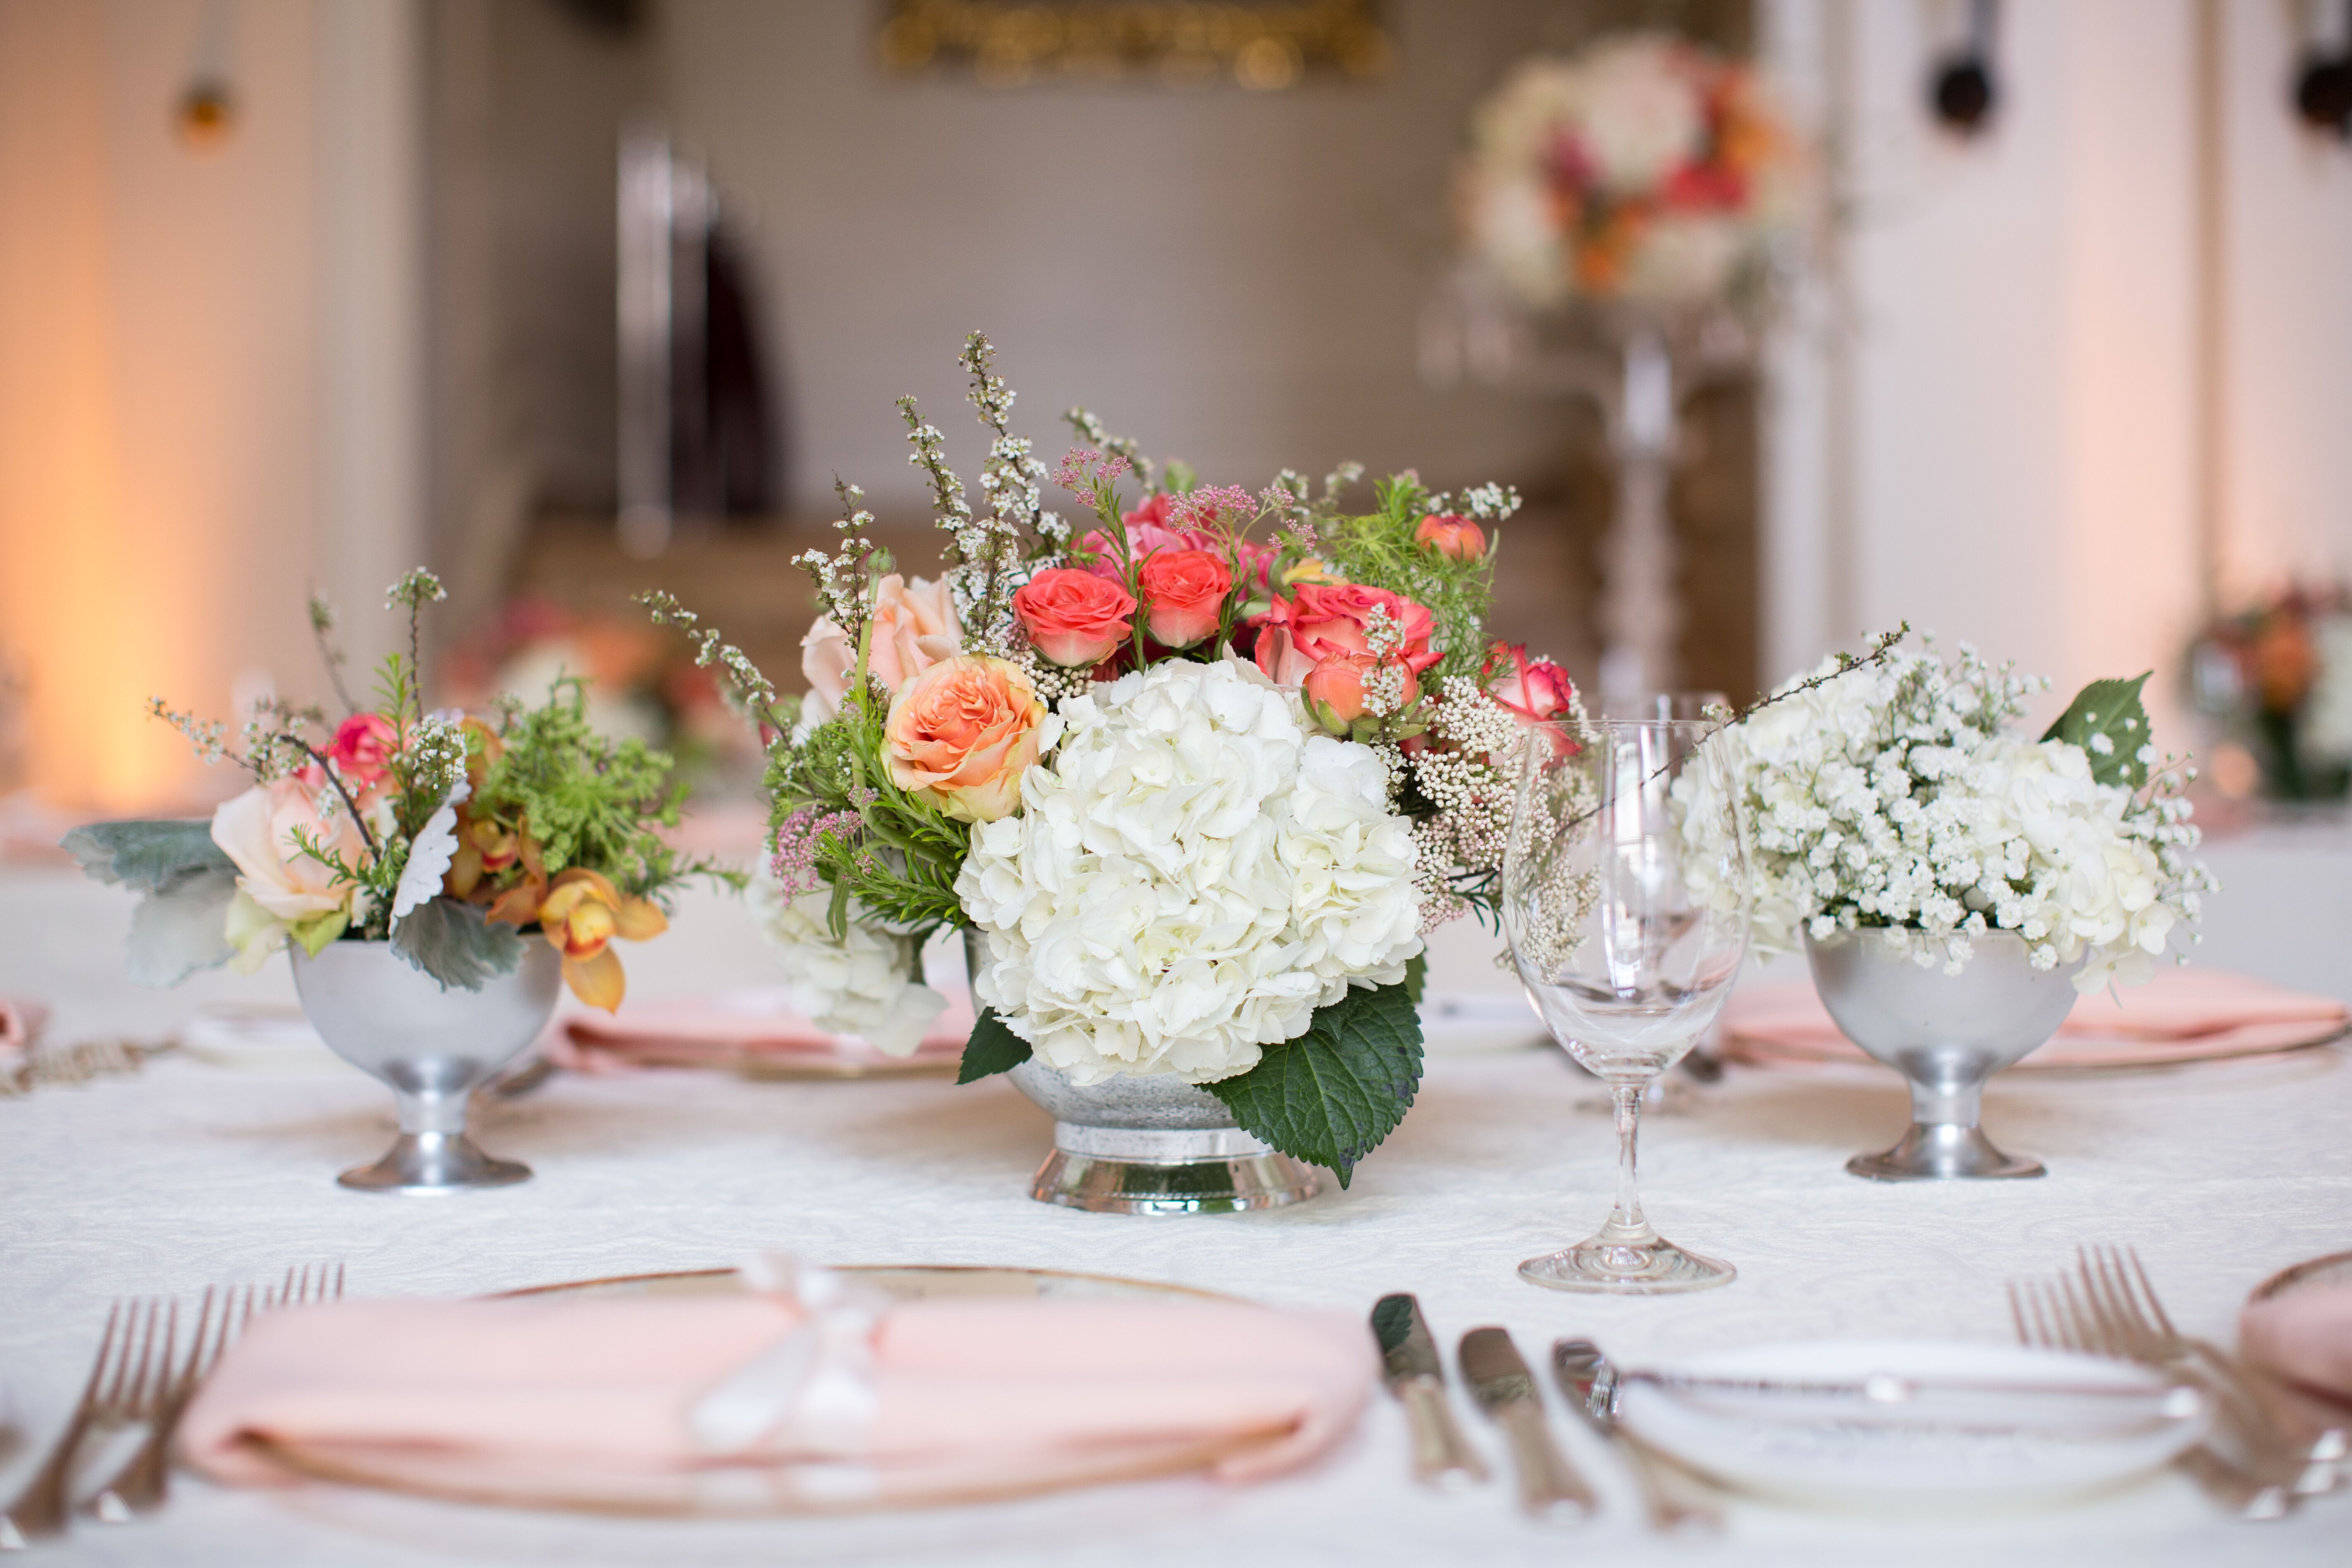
x,y
142,1484
119,1383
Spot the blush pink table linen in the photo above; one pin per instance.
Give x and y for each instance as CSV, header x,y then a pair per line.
x,y
731,1029
2181,1013
605,1386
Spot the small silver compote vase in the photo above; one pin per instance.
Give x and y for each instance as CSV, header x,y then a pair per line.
x,y
1946,1034
432,1047
1147,1145
1153,1145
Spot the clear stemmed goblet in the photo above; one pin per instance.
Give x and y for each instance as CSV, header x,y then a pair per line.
x,y
1625,896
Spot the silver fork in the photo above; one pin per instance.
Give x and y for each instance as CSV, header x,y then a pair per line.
x,y
141,1485
2292,1443
2055,1314
127,1373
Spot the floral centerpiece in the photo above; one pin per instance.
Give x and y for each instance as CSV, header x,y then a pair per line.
x,y
449,839
1198,770
1644,168
1895,793
2277,677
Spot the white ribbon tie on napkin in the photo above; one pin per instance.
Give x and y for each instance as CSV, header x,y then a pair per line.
x,y
814,1388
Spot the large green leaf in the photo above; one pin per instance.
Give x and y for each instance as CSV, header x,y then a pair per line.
x,y
452,943
2108,719
1331,1096
149,853
992,1048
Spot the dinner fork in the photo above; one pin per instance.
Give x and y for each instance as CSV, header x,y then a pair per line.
x,y
140,1486
127,1377
2060,1315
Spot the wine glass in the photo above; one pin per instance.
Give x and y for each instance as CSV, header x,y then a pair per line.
x,y
1625,897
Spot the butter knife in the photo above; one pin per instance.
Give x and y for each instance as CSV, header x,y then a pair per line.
x,y
1416,1375
1589,1380
1505,1390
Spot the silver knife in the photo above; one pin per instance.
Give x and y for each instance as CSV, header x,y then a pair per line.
x,y
1504,1387
1414,1374
1590,1383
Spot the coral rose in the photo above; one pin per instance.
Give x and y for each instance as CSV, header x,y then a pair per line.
x,y
1453,536
914,629
961,733
1184,591
1328,618
1075,618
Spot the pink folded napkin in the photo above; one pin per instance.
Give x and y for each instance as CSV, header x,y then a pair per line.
x,y
2181,1014
734,1029
868,1391
2305,1335
20,1025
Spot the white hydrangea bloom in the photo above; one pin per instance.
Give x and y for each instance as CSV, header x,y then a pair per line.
x,y
864,983
1189,878
1893,796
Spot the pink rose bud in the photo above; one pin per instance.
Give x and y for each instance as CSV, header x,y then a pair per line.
x,y
1185,591
1452,535
1076,618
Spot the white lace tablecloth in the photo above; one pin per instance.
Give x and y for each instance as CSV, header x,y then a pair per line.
x,y
191,1175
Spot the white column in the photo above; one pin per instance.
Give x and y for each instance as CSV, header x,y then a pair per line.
x,y
370,327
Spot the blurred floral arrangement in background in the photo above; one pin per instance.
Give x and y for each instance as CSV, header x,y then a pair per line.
x,y
2276,679
1644,168
633,681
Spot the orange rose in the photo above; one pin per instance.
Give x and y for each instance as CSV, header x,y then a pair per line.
x,y
582,914
1334,689
961,733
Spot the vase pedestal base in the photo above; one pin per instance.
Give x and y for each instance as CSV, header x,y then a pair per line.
x,y
428,1163
1944,1152
1135,1170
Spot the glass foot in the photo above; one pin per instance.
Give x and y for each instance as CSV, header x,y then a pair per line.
x,y
422,1163
1626,1268
1118,1170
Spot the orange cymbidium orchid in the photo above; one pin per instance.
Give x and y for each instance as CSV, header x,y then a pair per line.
x,y
581,915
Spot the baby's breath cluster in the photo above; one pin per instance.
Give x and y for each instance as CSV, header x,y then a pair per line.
x,y
1463,771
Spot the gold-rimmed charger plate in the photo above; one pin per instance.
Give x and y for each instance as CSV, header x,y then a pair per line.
x,y
754,1491
2336,1268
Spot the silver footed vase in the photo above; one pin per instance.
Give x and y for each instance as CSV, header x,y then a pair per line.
x,y
432,1047
1947,1035
1153,1145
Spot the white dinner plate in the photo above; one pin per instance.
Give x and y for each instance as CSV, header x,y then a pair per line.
x,y
1906,1458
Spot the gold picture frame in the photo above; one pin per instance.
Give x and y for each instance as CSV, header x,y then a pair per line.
x,y
1263,45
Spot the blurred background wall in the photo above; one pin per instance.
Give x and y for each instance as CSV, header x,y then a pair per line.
x,y
374,321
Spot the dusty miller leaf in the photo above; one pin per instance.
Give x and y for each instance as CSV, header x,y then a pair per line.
x,y
1331,1096
452,943
182,928
149,853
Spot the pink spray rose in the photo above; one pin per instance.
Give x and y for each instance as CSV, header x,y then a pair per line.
x,y
361,750
1075,618
914,629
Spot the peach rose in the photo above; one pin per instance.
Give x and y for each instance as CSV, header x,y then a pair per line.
x,y
962,732
256,829
1453,536
914,629
1075,618
1324,618
1185,592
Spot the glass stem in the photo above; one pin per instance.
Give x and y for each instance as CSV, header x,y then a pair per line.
x,y
1625,1222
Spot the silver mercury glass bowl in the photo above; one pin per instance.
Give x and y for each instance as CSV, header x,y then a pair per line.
x,y
1947,1035
431,1047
